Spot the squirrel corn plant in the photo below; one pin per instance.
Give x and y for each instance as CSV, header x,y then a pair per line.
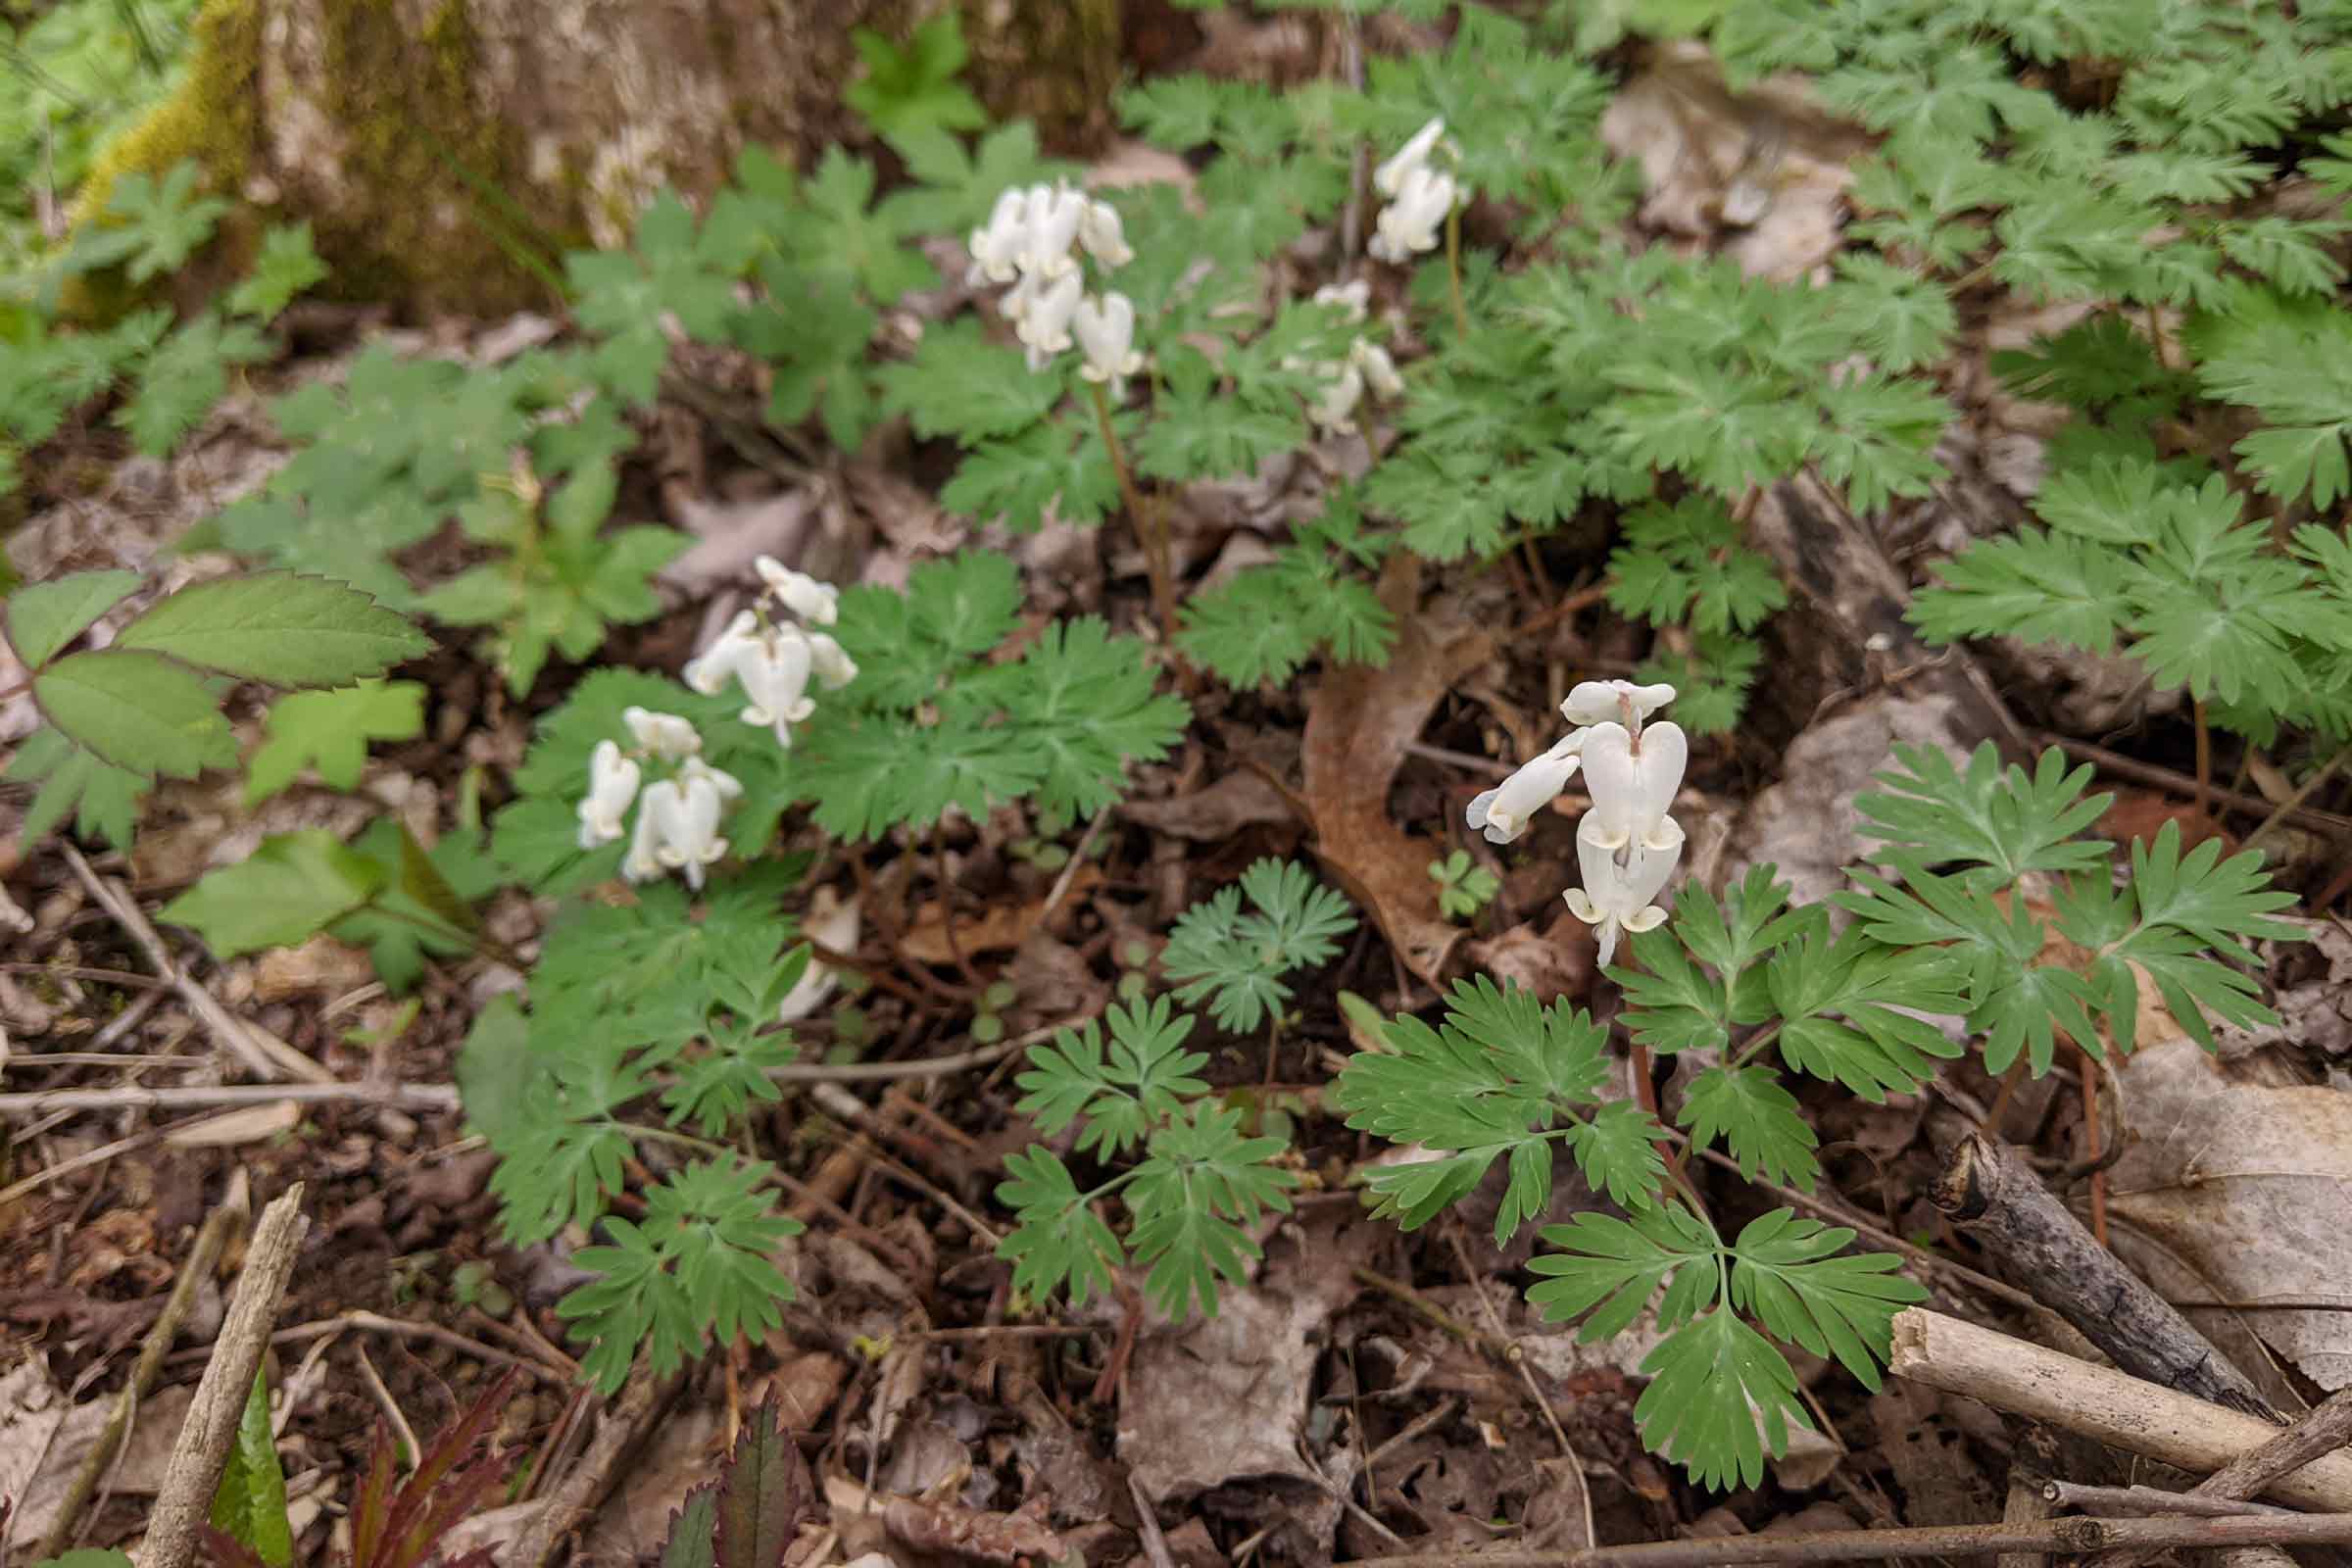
x,y
1950,939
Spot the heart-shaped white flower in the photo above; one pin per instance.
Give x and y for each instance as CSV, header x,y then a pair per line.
x,y
1632,785
1617,896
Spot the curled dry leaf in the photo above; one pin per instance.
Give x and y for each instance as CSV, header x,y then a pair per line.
x,y
2251,1186
1358,723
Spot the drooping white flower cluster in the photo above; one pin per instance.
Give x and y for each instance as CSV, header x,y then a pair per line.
x,y
1028,241
1420,196
1344,381
677,816
1626,845
772,659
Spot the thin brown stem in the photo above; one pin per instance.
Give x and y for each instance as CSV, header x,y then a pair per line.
x,y
1582,599
2050,1536
947,903
1151,525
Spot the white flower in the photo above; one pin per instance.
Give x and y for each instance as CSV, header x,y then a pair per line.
x,y
1335,410
691,840
663,735
1408,224
1598,702
834,667
1045,325
657,813
797,592
612,786
1632,785
729,787
1380,372
710,671
1505,810
1617,898
776,680
1054,216
1355,299
996,249
1106,332
1390,178
1099,232
1015,303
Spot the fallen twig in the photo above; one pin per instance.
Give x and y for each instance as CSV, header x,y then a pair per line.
x,y
230,1034
2180,784
134,1097
2050,1535
202,1451
401,1328
618,1430
2144,1502
2100,1403
1988,1190
201,1258
2322,1431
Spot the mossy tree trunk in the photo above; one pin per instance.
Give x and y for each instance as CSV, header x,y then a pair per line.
x,y
418,138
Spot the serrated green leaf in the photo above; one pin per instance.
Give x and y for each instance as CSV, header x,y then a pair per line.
x,y
249,1506
102,799
278,628
137,710
45,616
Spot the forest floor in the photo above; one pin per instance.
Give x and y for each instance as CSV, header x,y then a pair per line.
x,y
1371,1392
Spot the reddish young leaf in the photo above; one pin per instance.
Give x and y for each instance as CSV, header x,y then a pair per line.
x,y
763,1492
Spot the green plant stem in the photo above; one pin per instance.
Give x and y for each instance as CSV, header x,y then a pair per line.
x,y
1150,522
1763,1037
484,945
1453,268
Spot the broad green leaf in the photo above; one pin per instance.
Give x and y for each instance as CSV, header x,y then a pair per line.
x,y
292,887
278,628
137,711
250,1504
45,616
764,1493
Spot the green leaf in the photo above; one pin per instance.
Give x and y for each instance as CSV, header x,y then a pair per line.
x,y
1785,1273
278,628
1991,815
249,1507
1757,1119
1236,959
495,1074
1143,1082
184,379
285,268
1610,1267
45,616
292,887
330,730
137,711
914,88
1059,1239
102,799
1202,1183
764,1494
960,385
1719,1399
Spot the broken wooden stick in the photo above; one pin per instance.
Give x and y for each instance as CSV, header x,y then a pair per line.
x,y
202,1451
202,1257
2096,1401
1989,1190
2048,1536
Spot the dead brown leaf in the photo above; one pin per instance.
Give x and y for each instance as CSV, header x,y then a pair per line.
x,y
1000,928
972,1535
1358,723
2250,1185
1239,800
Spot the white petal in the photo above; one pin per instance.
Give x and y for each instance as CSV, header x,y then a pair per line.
x,y
1099,232
1355,299
1614,779
1594,702
1390,178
